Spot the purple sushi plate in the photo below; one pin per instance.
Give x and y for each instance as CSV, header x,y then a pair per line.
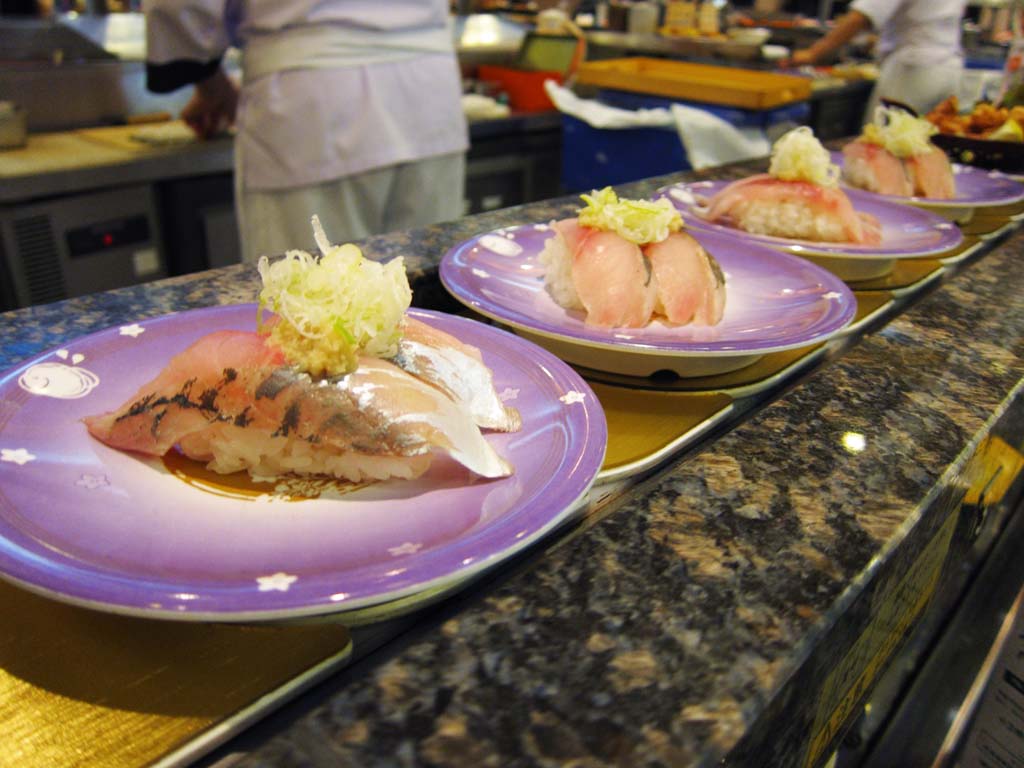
x,y
907,232
774,301
975,188
94,526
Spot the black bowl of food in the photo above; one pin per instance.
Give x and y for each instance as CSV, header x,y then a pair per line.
x,y
1006,156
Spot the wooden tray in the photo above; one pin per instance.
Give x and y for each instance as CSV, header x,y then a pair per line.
x,y
726,86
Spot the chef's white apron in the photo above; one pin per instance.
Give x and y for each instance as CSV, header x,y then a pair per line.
x,y
272,221
920,86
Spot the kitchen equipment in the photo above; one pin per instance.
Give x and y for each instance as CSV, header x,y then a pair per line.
x,y
65,80
618,16
682,14
753,35
46,41
541,56
646,143
642,18
552,21
13,126
774,52
709,20
70,246
560,53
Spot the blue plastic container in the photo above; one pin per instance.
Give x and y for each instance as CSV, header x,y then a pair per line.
x,y
593,158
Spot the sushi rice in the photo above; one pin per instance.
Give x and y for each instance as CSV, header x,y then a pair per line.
x,y
227,448
789,219
557,261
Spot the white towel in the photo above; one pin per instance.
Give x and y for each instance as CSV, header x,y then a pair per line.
x,y
599,115
711,141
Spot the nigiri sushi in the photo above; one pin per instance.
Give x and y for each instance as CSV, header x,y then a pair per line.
x,y
613,280
932,174
895,156
232,400
458,370
765,205
874,168
338,382
798,198
691,286
625,263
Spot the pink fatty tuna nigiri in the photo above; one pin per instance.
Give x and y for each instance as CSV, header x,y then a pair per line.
x,y
620,284
765,205
872,167
231,400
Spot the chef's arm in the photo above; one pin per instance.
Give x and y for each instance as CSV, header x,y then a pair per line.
x,y
185,45
848,27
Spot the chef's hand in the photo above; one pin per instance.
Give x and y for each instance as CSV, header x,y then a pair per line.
x,y
801,58
212,107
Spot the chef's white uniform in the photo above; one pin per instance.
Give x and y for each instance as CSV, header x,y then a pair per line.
x,y
921,58
349,109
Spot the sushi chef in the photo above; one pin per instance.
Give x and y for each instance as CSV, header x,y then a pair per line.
x,y
348,109
920,56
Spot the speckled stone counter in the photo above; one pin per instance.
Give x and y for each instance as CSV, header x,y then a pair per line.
x,y
734,605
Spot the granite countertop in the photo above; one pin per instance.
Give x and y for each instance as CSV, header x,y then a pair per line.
x,y
732,606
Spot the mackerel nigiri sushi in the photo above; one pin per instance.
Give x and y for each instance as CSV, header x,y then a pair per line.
x,y
625,263
231,400
798,198
329,386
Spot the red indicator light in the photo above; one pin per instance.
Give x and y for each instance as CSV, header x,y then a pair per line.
x,y
108,239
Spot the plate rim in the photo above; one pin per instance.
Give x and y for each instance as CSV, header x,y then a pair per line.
x,y
590,453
